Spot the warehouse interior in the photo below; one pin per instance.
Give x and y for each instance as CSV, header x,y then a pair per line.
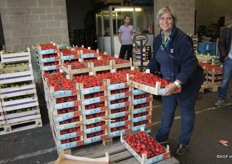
x,y
94,24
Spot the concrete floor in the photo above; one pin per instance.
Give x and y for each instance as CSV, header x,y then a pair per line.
x,y
36,146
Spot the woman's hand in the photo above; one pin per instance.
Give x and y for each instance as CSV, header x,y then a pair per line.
x,y
170,89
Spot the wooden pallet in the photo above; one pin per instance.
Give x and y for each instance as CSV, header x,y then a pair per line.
x,y
208,86
118,153
20,126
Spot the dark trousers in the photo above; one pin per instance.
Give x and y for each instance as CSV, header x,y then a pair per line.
x,y
186,106
124,49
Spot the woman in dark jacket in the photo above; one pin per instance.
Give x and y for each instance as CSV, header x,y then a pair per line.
x,y
175,61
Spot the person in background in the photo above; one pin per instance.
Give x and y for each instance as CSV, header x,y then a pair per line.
x,y
126,34
225,52
175,61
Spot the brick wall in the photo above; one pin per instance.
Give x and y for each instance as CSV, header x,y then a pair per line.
x,y
184,9
28,22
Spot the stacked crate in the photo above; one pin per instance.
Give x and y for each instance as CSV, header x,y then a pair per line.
x,y
48,58
213,73
141,109
94,108
62,98
19,102
213,77
118,105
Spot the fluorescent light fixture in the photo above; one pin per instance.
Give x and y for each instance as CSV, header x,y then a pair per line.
x,y
128,9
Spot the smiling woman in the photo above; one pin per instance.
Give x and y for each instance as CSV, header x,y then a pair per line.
x,y
175,61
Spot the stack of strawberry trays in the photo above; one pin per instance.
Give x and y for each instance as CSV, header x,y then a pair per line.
x,y
48,58
144,148
19,102
118,104
62,97
141,109
94,107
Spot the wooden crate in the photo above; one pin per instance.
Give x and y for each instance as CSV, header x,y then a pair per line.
x,y
114,124
68,159
122,65
19,104
149,89
144,159
62,146
15,57
18,90
16,77
209,86
23,116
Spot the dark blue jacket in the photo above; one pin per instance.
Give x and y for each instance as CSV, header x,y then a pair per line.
x,y
183,62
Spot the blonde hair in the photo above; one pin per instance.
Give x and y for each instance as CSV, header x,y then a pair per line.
x,y
166,10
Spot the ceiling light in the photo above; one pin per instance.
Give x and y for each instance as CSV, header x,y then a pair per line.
x,y
127,9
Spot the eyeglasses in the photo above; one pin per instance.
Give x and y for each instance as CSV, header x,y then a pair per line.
x,y
162,19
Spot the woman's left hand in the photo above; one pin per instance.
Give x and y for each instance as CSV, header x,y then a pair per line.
x,y
170,89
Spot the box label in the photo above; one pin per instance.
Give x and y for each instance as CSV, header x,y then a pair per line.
x,y
90,55
67,136
139,101
49,68
116,96
92,111
47,60
116,106
117,115
67,145
138,92
92,130
138,128
136,111
117,133
91,121
90,90
138,119
65,93
44,52
117,124
70,57
91,140
117,86
64,105
91,101
66,126
64,117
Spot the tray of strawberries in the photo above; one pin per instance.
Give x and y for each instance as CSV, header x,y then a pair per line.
x,y
144,148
